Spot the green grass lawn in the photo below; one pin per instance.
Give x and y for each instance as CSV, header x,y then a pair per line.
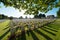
x,y
55,27
4,30
48,32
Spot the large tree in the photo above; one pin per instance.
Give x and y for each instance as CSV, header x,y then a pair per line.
x,y
58,13
32,6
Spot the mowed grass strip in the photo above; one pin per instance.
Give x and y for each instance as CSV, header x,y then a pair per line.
x,y
28,36
6,37
52,29
55,25
47,35
58,27
4,33
33,35
53,32
40,37
58,35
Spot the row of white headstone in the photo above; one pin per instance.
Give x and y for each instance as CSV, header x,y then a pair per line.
x,y
29,23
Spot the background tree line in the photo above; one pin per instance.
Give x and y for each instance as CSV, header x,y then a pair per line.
x,y
2,16
40,16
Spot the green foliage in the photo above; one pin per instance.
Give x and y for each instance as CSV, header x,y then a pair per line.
x,y
3,16
32,6
58,14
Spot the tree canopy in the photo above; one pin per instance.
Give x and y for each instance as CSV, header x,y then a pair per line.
x,y
58,13
32,6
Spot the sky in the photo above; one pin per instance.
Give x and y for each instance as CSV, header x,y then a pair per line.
x,y
10,11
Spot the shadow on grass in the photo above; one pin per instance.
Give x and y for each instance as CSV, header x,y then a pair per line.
x,y
22,36
7,26
28,32
48,31
47,37
33,35
4,34
50,28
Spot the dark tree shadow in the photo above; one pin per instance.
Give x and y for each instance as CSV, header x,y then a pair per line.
x,y
28,32
33,35
22,36
6,28
4,34
48,31
47,37
50,28
19,37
